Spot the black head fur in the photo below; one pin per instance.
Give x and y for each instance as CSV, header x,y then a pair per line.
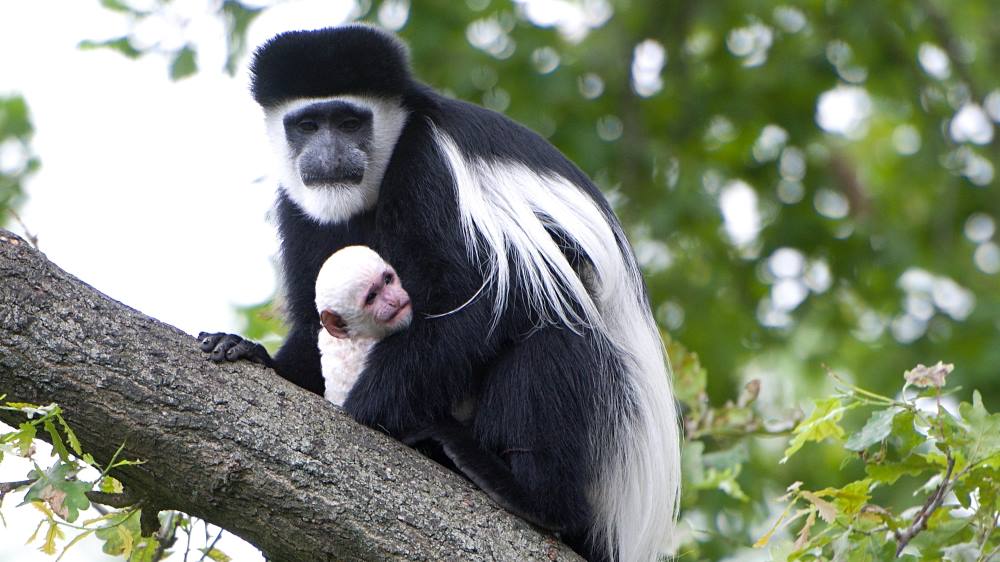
x,y
353,59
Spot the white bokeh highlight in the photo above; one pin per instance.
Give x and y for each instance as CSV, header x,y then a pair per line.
x,y
648,60
845,110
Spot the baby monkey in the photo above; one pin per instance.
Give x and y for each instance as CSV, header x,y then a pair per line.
x,y
360,300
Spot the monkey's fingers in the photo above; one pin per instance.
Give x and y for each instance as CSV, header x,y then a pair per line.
x,y
230,347
207,341
251,351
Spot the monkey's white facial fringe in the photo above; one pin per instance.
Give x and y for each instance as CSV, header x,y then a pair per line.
x,y
505,208
336,203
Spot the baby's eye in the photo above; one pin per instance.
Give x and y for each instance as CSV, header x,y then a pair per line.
x,y
387,279
370,298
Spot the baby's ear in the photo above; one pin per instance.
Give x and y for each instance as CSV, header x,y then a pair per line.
x,y
333,323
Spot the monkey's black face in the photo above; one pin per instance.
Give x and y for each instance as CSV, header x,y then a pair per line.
x,y
330,142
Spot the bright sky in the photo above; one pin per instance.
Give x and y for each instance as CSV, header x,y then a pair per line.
x,y
154,192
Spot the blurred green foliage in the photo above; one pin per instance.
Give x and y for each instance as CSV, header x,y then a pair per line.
x,y
16,159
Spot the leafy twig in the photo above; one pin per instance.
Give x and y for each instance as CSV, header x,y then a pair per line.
x,y
166,537
190,531
858,390
210,547
930,506
8,487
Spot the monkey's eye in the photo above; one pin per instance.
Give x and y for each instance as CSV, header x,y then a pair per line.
x,y
370,298
350,124
307,126
387,278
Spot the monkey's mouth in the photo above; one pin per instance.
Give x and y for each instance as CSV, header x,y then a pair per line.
x,y
402,316
319,181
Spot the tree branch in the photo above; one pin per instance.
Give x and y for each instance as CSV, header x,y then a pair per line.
x,y
933,502
234,444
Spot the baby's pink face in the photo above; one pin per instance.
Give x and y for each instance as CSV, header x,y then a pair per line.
x,y
358,294
386,303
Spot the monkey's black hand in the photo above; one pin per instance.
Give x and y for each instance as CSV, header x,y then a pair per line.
x,y
230,347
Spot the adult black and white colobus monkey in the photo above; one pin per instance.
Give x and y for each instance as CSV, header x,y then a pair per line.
x,y
526,294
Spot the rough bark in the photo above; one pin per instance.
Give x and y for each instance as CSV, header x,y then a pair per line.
x,y
234,443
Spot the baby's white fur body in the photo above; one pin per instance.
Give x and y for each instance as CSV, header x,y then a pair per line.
x,y
342,360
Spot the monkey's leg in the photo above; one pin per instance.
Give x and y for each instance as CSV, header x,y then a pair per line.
x,y
485,469
546,406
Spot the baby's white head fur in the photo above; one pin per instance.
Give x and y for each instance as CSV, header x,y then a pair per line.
x,y
343,281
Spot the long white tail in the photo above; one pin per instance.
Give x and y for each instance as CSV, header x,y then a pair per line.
x,y
505,208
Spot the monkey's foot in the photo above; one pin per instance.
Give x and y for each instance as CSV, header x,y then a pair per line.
x,y
230,347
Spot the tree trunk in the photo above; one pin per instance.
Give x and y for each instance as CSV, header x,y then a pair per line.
x,y
234,443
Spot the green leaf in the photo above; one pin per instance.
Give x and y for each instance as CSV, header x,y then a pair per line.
x,y
109,485
870,549
726,458
75,540
120,533
890,472
57,443
14,121
950,432
978,487
690,378
904,434
826,510
145,551
58,488
725,482
117,6
822,423
74,443
692,470
184,63
984,428
850,498
121,44
216,554
877,428
53,534
238,19
25,435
